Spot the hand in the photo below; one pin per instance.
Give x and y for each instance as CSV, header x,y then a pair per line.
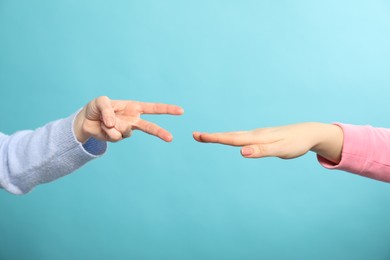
x,y
285,142
114,120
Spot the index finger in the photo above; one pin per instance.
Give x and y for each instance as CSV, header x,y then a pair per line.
x,y
159,108
229,138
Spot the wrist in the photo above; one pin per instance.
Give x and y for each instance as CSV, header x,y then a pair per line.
x,y
79,128
329,143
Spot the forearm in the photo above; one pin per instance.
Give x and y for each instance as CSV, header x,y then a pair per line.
x,y
43,155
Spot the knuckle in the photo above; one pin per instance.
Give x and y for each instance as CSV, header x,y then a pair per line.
x,y
136,106
159,132
155,108
261,150
150,129
102,98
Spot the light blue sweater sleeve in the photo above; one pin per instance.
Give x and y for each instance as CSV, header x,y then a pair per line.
x,y
29,158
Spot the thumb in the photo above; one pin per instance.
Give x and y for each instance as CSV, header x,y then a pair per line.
x,y
260,150
103,104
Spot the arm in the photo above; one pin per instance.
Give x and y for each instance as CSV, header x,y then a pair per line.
x,y
50,152
57,149
285,142
358,149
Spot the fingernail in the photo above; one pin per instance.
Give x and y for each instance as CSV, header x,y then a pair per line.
x,y
247,151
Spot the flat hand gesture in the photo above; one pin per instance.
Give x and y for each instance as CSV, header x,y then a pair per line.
x,y
113,120
285,142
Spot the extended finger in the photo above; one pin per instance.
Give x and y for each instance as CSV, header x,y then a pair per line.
x,y
153,129
159,108
228,138
107,112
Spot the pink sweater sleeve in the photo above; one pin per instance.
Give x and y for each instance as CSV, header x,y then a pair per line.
x,y
366,151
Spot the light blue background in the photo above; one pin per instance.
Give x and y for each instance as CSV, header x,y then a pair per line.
x,y
233,65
